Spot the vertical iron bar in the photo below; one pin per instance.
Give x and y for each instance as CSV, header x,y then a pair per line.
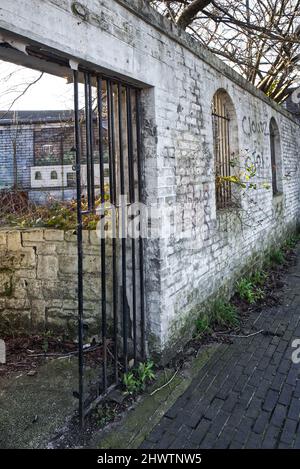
x,y
229,161
79,252
223,155
141,242
112,184
88,140
102,247
123,208
91,137
132,201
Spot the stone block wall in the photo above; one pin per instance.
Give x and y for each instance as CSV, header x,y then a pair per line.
x,y
38,281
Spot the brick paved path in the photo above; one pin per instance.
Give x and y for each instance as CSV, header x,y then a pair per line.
x,y
248,394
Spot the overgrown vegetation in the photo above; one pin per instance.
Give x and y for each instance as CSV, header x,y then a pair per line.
x,y
250,290
222,313
53,214
136,380
277,256
104,414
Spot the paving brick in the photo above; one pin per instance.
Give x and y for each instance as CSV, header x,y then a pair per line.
x,y
288,432
244,430
297,442
200,432
261,422
254,408
270,400
297,389
263,388
279,415
278,381
247,397
270,439
294,410
219,423
293,375
254,441
182,439
286,394
213,409
230,402
236,445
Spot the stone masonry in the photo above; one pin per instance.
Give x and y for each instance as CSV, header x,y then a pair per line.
x,y
178,78
38,281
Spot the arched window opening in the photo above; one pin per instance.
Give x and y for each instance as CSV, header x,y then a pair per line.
x,y
275,156
225,140
53,175
38,176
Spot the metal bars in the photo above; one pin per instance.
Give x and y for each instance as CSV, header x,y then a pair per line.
x,y
221,151
273,158
112,111
79,248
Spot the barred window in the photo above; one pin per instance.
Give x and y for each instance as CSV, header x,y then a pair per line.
x,y
275,157
225,145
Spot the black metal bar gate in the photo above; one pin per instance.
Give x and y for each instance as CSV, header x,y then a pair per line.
x,y
111,112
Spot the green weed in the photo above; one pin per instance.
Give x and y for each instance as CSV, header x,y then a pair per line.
x,y
277,256
248,291
224,313
203,324
135,381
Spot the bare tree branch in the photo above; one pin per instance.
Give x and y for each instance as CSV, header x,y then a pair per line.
x,y
259,39
28,86
191,11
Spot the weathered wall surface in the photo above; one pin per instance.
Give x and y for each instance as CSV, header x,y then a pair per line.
x,y
179,78
38,281
10,145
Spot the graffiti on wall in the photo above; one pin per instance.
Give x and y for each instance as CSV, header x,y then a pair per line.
x,y
255,159
253,127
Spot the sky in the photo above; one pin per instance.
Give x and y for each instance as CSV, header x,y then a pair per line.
x,y
49,93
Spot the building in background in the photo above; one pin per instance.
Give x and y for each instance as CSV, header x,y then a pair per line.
x,y
37,153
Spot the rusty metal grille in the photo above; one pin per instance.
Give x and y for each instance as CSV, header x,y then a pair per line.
x,y
220,120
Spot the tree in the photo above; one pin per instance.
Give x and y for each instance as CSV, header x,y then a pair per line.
x,y
260,39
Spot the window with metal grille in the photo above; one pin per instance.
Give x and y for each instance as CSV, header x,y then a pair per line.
x,y
222,114
275,157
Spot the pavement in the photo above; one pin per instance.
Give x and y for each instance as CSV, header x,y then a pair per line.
x,y
248,393
34,407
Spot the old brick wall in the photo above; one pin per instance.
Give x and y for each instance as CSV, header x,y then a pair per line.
x,y
13,140
179,77
38,281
